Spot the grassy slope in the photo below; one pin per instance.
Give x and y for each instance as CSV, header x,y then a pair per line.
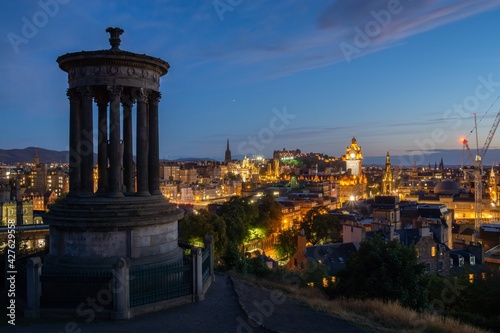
x,y
374,315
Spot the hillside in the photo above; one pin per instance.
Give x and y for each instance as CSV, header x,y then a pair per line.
x,y
13,156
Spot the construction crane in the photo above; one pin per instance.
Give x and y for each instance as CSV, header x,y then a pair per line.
x,y
478,169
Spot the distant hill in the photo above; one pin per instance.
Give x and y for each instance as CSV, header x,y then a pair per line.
x,y
450,157
193,159
27,155
13,156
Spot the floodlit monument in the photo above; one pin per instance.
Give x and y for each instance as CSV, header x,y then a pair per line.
x,y
118,244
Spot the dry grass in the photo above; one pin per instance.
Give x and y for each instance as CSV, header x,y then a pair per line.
x,y
374,315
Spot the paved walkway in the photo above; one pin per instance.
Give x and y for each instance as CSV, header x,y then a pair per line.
x,y
224,309
275,312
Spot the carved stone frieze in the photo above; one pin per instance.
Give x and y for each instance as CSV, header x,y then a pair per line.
x,y
115,75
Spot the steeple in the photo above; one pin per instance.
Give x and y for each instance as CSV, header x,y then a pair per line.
x,y
227,157
387,162
37,159
387,177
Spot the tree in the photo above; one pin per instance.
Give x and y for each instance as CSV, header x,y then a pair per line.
x,y
321,228
232,176
269,215
487,290
194,227
233,259
236,229
287,243
386,271
239,214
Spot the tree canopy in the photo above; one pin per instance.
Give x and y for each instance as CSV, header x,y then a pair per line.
x,y
287,243
321,228
269,215
387,271
194,227
239,214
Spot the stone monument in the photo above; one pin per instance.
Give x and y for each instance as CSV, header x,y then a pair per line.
x,y
126,216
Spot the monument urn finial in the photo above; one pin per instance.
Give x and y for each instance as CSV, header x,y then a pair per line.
x,y
114,40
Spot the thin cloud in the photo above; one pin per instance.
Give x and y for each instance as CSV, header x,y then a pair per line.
x,y
318,43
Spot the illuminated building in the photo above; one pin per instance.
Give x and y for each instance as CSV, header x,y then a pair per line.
x,y
57,181
388,177
354,158
18,212
281,155
353,182
37,175
493,188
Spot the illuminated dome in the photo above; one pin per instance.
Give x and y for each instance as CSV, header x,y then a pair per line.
x,y
447,187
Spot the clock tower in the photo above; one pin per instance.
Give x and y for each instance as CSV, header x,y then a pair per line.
x,y
354,158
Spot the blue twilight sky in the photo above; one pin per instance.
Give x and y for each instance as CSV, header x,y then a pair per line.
x,y
404,76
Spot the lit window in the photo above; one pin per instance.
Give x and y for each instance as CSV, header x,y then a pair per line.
x,y
418,252
433,251
471,278
334,279
310,284
325,282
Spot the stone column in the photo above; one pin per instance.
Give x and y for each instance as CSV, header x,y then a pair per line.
x,y
87,144
33,288
128,159
115,163
209,243
142,147
75,158
102,138
121,290
154,145
196,257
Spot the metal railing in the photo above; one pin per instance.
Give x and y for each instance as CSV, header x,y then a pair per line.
x,y
160,282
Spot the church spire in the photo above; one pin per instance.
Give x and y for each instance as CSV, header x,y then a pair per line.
x,y
37,159
387,177
387,161
227,156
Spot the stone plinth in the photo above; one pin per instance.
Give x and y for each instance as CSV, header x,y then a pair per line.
x,y
143,229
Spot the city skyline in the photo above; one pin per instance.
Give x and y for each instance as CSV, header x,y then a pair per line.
x,y
271,76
